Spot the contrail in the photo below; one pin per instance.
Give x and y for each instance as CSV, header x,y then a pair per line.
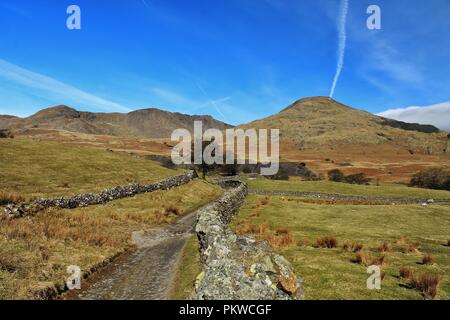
x,y
210,100
342,43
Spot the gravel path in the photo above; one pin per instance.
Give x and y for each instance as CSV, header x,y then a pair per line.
x,y
148,273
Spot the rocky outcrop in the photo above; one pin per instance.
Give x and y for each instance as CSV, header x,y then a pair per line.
x,y
84,200
239,267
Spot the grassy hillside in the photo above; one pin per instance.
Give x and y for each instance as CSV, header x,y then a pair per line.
x,y
38,168
384,190
410,231
35,252
320,122
145,123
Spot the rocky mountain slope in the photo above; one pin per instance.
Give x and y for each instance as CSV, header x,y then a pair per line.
x,y
145,123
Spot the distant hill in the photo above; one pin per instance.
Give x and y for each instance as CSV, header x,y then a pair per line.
x,y
145,123
323,123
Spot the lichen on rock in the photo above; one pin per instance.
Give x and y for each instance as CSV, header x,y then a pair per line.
x,y
239,267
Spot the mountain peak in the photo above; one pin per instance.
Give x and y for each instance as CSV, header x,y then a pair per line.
x,y
323,123
60,111
319,103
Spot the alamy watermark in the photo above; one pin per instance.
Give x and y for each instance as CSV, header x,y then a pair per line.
x,y
233,149
374,20
374,280
73,282
73,22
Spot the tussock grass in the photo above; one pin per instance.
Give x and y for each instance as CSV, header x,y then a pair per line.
x,y
37,250
413,248
427,259
406,273
329,242
426,284
280,240
330,274
384,247
10,198
352,246
252,229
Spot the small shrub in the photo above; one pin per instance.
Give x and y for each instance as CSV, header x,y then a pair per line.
x,y
171,209
427,259
365,259
353,246
281,231
336,175
358,178
282,174
384,247
282,240
406,273
413,248
434,178
361,258
304,243
252,229
378,261
426,284
327,242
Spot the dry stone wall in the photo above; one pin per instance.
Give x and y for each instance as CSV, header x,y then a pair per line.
x,y
84,200
239,267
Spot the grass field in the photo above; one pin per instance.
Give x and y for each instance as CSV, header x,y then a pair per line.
x,y
385,190
188,270
293,228
35,252
38,168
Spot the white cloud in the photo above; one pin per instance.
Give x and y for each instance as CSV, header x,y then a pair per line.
x,y
53,89
437,115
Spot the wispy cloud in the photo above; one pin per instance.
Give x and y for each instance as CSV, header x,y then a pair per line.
x,y
342,43
389,60
173,98
17,10
55,90
189,105
437,115
212,102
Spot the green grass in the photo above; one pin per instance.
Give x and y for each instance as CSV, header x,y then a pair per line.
x,y
36,251
384,190
43,169
188,270
330,273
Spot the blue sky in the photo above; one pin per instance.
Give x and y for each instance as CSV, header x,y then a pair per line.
x,y
238,60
